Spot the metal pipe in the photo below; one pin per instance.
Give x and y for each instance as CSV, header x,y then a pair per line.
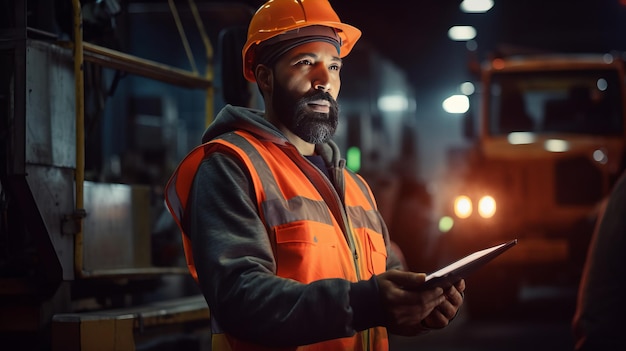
x,y
183,36
79,180
131,64
210,97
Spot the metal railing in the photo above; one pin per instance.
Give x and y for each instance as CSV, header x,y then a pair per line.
x,y
83,51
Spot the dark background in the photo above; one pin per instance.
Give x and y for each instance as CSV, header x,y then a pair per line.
x,y
414,33
414,36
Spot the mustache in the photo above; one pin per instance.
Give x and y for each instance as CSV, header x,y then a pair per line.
x,y
319,95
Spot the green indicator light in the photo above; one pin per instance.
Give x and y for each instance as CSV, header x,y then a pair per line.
x,y
353,159
445,224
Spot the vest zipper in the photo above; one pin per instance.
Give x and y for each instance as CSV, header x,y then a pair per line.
x,y
328,192
337,208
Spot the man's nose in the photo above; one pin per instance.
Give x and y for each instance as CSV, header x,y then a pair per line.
x,y
322,87
321,80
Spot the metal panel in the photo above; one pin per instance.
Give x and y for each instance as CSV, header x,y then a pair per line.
x,y
117,227
53,191
50,106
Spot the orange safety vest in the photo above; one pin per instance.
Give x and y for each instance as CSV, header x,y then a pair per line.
x,y
297,205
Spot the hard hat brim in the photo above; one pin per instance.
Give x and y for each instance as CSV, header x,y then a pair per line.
x,y
349,36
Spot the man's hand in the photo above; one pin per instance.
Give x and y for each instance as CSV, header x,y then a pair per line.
x,y
410,310
448,309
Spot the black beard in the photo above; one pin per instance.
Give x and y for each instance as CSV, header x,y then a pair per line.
x,y
312,127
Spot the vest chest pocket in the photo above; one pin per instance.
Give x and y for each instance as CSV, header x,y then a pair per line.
x,y
375,251
308,251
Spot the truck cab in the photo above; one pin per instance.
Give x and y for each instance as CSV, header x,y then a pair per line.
x,y
546,146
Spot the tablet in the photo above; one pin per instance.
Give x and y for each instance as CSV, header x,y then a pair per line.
x,y
460,269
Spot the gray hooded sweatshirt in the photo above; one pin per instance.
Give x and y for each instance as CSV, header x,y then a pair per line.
x,y
235,263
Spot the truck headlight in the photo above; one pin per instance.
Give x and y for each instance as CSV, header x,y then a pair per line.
x,y
462,206
486,206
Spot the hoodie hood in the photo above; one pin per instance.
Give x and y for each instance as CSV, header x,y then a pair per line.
x,y
233,118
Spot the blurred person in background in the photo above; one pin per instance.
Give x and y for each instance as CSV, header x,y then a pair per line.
x,y
598,323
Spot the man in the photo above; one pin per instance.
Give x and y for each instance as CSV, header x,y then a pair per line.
x,y
286,244
599,318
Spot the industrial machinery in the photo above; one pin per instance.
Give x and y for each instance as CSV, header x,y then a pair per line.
x,y
88,256
546,146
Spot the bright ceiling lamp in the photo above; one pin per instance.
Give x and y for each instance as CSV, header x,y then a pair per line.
x,y
467,88
556,145
456,104
521,138
462,33
600,156
476,6
393,103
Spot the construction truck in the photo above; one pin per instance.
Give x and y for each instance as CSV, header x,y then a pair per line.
x,y
546,142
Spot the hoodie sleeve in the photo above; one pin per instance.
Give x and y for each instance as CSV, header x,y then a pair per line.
x,y
236,270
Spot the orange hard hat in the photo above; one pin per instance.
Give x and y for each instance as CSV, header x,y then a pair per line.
x,y
277,17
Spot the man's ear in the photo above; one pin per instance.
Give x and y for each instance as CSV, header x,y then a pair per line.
x,y
264,77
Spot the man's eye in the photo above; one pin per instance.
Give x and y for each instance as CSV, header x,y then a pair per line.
x,y
304,62
335,67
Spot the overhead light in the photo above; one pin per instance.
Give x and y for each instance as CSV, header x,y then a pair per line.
x,y
471,45
476,6
456,104
467,88
393,103
520,138
556,145
600,156
462,33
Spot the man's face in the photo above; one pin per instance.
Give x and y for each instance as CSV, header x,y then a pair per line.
x,y
306,86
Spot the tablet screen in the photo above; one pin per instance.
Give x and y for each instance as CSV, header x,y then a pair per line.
x,y
460,269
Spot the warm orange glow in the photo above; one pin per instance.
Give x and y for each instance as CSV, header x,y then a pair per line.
x,y
498,63
487,207
462,206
